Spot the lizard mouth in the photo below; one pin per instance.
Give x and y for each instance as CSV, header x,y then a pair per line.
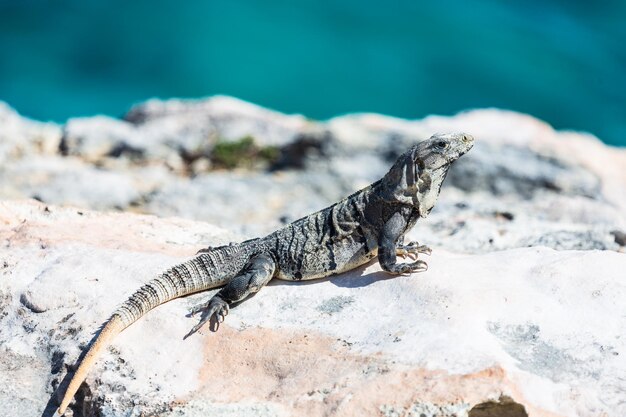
x,y
456,155
445,165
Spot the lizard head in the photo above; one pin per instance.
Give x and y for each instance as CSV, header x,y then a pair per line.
x,y
417,175
441,150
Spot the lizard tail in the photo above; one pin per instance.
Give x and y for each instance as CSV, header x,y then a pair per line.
x,y
203,272
113,327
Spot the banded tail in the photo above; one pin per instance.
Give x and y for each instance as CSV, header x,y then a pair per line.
x,y
208,270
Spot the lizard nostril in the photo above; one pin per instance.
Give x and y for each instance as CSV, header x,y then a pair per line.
x,y
467,138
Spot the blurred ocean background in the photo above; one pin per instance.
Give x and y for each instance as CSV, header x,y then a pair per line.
x,y
562,61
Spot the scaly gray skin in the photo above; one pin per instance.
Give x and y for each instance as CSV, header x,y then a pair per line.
x,y
371,222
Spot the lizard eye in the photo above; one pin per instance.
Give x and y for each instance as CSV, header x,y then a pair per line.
x,y
442,144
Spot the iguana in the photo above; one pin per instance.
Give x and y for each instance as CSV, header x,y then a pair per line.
x,y
371,222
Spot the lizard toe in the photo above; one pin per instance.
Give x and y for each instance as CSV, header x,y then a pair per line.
x,y
198,308
415,248
424,249
206,316
215,307
419,266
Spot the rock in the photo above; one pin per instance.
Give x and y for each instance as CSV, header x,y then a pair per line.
x,y
230,118
21,137
368,132
565,190
94,138
312,143
520,171
253,202
506,324
154,131
515,332
69,181
579,240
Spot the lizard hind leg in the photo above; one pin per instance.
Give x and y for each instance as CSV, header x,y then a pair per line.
x,y
258,271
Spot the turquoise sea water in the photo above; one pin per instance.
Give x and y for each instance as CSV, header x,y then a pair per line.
x,y
562,61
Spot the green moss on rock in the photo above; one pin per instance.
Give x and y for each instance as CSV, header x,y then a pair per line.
x,y
242,153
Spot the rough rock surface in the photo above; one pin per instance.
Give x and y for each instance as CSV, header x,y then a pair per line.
x,y
521,313
531,331
524,183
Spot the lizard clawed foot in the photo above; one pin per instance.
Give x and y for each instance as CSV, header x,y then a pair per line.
x,y
408,268
216,306
412,250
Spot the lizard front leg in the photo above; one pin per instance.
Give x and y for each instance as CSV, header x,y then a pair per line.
x,y
258,271
388,250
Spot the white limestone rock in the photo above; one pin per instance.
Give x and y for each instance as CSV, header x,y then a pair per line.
x,y
530,330
71,181
501,323
21,137
523,183
230,118
156,130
